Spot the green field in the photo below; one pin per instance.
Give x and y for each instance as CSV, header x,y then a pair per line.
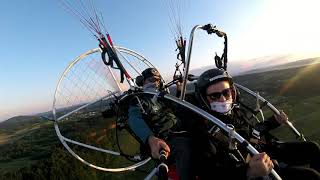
x,y
33,150
30,149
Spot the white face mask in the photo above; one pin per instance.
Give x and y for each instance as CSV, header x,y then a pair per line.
x,y
150,87
222,107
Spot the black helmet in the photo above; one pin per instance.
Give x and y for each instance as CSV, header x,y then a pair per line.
x,y
208,78
149,72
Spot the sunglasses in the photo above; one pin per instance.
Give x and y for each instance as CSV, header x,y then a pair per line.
x,y
216,95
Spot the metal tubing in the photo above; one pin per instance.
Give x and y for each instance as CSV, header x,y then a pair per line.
x,y
274,109
186,70
86,105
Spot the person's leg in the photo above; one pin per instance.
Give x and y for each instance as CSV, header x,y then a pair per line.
x,y
297,153
290,173
182,153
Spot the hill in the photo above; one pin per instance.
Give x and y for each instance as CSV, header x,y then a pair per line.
x,y
294,64
262,65
19,122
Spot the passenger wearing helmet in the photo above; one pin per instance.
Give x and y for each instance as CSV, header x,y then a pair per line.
x,y
150,80
155,125
216,94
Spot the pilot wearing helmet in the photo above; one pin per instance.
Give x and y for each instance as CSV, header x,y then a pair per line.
x,y
217,94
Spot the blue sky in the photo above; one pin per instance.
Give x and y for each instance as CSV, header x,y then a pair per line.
x,y
38,38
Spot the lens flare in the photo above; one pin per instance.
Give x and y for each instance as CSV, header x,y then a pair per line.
x,y
291,82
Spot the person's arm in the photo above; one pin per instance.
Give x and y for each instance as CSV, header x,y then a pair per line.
x,y
266,126
137,123
272,122
178,89
144,133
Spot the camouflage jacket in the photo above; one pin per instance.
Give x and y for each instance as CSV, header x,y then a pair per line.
x,y
147,116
